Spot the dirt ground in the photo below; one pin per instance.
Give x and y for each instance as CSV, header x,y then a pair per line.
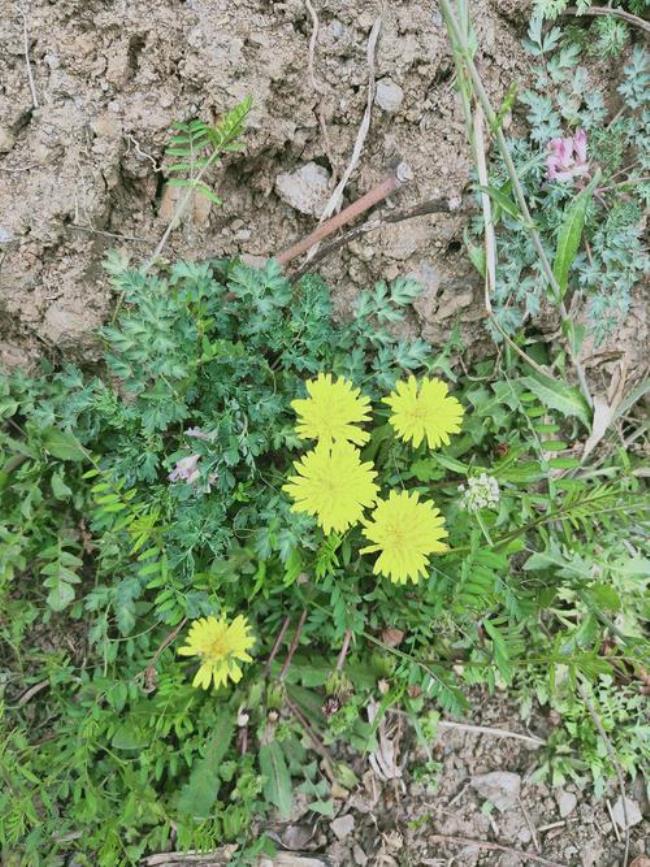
x,y
80,173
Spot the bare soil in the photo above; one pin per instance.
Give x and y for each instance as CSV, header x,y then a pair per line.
x,y
80,173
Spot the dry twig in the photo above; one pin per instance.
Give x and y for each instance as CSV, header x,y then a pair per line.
x,y
335,199
276,644
30,76
316,86
431,206
494,847
486,204
371,198
493,732
293,646
634,20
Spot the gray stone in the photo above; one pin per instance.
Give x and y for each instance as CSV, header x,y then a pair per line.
x,y
566,802
633,813
389,95
342,826
501,788
306,189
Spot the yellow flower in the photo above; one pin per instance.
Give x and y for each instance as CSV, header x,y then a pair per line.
x,y
333,484
332,411
405,531
429,412
218,645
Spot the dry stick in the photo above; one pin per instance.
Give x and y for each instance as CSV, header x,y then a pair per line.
x,y
493,732
634,20
340,662
32,86
315,85
371,198
430,206
486,204
486,105
32,691
165,643
293,646
276,645
317,744
335,199
494,847
531,826
617,767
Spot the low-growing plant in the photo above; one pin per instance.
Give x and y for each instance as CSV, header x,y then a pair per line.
x,y
259,500
584,172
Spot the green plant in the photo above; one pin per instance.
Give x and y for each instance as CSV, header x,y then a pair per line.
x,y
607,260
105,560
194,149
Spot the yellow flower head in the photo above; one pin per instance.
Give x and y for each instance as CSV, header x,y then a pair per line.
x,y
332,411
333,484
219,645
405,531
428,411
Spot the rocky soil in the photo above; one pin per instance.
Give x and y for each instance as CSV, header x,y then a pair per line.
x,y
80,171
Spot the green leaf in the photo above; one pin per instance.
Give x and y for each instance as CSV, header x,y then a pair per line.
x,y
61,594
503,201
128,737
555,395
62,444
570,234
197,796
277,785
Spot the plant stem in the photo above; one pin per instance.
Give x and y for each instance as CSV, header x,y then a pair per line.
x,y
180,210
460,43
294,645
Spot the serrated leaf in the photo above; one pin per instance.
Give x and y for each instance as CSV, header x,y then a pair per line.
x,y
555,395
277,785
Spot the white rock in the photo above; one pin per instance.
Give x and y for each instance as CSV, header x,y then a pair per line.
x,y
342,826
633,813
389,95
566,802
306,189
501,788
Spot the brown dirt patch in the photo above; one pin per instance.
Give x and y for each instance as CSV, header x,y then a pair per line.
x,y
111,77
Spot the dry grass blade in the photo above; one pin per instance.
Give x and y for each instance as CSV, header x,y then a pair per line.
x,y
337,196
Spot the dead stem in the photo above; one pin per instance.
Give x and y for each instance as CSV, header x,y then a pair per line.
x,y
316,742
293,646
276,644
340,662
30,76
373,197
634,20
494,847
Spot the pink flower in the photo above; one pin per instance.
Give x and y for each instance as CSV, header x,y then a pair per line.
x,y
567,157
186,470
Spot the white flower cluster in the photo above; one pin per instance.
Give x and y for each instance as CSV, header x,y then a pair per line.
x,y
481,493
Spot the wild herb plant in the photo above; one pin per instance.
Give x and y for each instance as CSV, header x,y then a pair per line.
x,y
581,171
141,502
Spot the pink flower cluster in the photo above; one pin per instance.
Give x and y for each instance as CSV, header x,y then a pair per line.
x,y
567,157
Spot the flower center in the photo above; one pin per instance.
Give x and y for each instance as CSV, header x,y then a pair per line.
x,y
217,649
